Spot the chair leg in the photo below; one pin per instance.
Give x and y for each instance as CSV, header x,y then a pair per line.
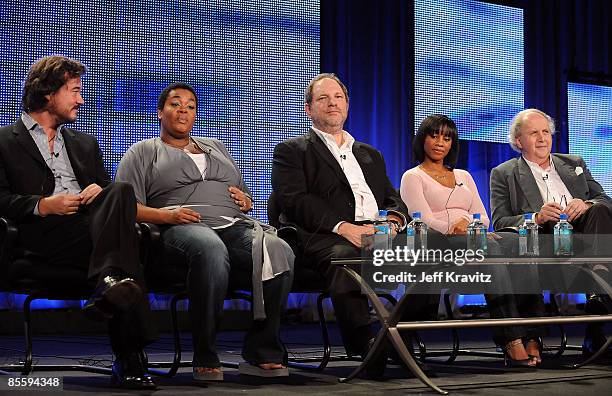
x,y
28,362
327,350
448,307
422,347
176,337
27,323
557,311
176,361
389,298
455,333
325,359
324,332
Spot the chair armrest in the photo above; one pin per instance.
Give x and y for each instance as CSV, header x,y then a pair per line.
x,y
287,232
150,231
150,238
8,238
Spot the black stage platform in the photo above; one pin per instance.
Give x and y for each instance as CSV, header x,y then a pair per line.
x,y
467,376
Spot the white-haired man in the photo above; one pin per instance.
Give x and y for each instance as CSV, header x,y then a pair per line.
x,y
548,185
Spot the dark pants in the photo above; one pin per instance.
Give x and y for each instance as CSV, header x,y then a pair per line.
x,y
592,235
597,222
101,238
213,256
350,305
515,306
508,305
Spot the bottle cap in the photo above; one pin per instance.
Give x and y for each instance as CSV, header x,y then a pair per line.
x,y
382,213
416,215
563,216
476,216
528,216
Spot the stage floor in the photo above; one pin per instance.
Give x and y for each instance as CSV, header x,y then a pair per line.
x,y
467,376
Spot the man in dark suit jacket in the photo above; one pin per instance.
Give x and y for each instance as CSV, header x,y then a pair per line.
x,y
332,187
54,186
548,185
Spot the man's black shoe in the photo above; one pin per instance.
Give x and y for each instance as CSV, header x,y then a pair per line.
x,y
592,344
594,338
395,357
130,373
112,294
376,368
598,304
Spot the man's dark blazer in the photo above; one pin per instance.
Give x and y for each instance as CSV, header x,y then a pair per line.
x,y
25,177
313,191
514,191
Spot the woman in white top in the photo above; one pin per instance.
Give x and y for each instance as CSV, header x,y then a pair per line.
x,y
194,190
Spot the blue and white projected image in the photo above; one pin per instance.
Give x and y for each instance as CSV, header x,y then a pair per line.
x,y
590,129
249,61
469,65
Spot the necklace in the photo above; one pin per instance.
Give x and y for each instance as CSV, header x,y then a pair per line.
x,y
184,148
435,174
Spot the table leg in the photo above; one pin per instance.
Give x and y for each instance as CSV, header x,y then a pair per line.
x,y
372,354
400,347
596,355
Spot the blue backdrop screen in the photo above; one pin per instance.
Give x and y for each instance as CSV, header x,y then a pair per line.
x,y
469,65
590,128
249,62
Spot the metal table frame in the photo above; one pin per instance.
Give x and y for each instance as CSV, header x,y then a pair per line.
x,y
391,325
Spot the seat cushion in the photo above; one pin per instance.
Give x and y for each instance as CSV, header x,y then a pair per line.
x,y
307,280
32,275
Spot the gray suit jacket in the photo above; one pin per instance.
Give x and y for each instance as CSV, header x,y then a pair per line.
x,y
514,191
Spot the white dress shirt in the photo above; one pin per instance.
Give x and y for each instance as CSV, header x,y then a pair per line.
x,y
366,207
552,188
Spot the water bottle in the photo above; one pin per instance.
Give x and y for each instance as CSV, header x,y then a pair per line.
x,y
528,237
477,234
382,235
563,237
416,233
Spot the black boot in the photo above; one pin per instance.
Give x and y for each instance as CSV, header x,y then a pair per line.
x,y
594,338
376,368
129,372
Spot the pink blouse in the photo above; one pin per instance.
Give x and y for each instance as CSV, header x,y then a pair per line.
x,y
441,206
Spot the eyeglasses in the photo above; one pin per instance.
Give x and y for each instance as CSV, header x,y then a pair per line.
x,y
562,201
